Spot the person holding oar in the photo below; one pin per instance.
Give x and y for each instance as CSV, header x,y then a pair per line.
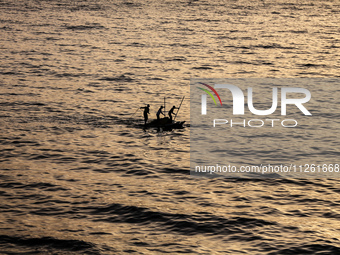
x,y
171,112
159,112
145,113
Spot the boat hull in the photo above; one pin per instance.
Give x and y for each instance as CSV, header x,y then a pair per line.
x,y
165,124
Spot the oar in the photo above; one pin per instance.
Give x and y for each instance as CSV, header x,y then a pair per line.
x,y
179,108
164,105
134,113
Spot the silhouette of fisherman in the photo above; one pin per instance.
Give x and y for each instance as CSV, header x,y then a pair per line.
x,y
159,112
171,112
145,113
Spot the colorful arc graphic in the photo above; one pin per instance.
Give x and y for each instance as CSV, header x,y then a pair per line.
x,y
208,92
218,96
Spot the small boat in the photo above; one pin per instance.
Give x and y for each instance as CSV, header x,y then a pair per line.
x,y
165,123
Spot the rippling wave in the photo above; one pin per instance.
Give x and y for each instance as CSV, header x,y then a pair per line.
x,y
80,176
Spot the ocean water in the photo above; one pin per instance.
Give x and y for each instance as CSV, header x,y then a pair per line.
x,y
78,174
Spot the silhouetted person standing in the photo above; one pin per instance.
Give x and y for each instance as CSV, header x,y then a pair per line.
x,y
159,112
145,113
171,112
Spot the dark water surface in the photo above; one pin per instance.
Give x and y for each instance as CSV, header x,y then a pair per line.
x,y
78,177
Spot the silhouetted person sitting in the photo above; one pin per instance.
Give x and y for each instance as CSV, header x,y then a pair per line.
x,y
171,112
159,112
145,113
